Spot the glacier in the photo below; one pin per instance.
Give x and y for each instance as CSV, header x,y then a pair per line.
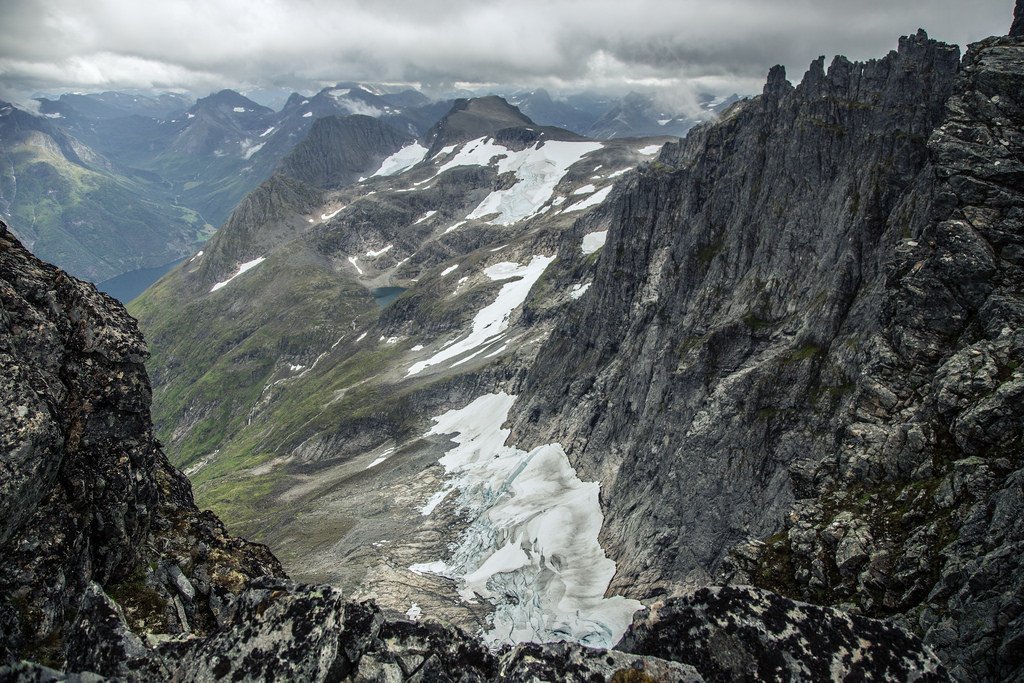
x,y
532,546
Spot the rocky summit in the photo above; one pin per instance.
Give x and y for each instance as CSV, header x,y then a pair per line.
x,y
506,403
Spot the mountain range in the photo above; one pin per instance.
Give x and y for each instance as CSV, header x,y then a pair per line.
x,y
511,401
161,172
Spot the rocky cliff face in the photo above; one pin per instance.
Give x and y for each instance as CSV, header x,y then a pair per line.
x,y
802,343
86,495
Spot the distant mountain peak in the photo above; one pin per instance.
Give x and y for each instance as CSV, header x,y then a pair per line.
x,y
229,99
471,118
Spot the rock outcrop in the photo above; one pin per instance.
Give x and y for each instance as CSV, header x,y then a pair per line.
x,y
86,495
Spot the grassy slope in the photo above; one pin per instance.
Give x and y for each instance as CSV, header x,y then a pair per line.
x,y
94,224
288,310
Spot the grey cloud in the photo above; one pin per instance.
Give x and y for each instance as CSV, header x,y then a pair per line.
x,y
52,45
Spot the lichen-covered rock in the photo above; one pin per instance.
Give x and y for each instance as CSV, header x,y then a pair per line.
x,y
738,633
86,494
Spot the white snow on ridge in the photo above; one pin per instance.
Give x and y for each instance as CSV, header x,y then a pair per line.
x,y
248,265
444,150
449,269
593,241
239,110
532,549
354,260
424,217
402,160
650,149
267,132
477,152
307,114
586,189
332,214
493,319
380,252
248,149
592,200
538,170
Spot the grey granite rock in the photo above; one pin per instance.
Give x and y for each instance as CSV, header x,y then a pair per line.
x,y
738,633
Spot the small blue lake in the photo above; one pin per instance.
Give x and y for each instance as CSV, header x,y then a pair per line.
x,y
385,295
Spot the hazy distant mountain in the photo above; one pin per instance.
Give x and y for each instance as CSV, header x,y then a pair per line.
x,y
113,105
72,206
542,108
639,114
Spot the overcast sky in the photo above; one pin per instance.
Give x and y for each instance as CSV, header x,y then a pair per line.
x,y
714,45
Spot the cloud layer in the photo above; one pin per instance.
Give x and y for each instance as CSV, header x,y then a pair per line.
x,y
718,45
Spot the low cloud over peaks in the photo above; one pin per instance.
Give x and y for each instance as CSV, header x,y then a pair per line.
x,y
53,46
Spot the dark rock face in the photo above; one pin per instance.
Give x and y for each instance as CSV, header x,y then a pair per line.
x,y
805,329
471,118
86,494
338,150
699,376
746,634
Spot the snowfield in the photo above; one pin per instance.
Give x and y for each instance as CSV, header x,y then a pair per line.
x,y
538,170
593,200
402,160
492,320
532,548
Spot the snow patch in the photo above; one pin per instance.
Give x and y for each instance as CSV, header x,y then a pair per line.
x,y
307,114
493,319
402,160
593,241
239,110
449,269
444,151
248,148
592,200
578,290
381,458
248,265
380,252
649,149
532,548
332,214
586,189
424,217
621,171
453,227
267,132
354,260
